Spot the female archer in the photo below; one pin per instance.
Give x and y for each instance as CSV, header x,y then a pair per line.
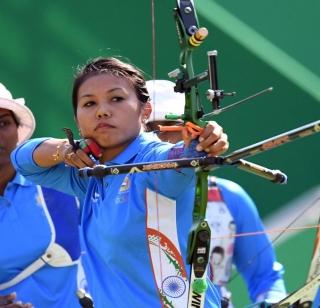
x,y
134,227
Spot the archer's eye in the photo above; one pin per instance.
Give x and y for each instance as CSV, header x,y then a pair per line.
x,y
89,104
117,99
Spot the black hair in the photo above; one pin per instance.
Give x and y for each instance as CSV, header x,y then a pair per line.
x,y
115,67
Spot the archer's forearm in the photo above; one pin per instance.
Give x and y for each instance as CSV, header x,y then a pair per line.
x,y
40,152
50,152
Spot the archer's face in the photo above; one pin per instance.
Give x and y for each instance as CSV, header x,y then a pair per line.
x,y
8,136
109,112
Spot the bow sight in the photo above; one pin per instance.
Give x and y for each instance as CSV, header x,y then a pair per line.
x,y
187,24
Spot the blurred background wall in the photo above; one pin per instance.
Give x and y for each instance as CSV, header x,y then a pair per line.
x,y
260,44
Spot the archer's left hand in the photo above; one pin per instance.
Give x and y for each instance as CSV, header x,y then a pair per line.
x,y
213,140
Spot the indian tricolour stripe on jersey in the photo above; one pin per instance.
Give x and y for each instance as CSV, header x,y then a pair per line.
x,y
167,262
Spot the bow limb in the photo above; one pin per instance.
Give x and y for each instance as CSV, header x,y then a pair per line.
x,y
310,291
315,261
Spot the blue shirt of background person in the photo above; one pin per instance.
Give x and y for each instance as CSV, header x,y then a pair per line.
x,y
34,222
231,211
134,227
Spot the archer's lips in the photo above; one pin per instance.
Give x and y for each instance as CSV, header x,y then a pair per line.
x,y
103,126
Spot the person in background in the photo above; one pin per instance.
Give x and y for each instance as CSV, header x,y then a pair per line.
x,y
39,232
230,210
134,227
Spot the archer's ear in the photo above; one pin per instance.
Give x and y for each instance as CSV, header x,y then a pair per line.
x,y
147,109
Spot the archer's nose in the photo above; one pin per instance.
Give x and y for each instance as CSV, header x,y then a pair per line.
x,y
104,112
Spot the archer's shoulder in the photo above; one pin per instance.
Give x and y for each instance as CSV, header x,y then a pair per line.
x,y
150,144
147,138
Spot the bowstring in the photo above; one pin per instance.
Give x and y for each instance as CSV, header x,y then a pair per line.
x,y
250,261
267,231
153,33
154,76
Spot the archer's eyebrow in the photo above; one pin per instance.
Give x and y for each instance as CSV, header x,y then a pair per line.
x,y
109,91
